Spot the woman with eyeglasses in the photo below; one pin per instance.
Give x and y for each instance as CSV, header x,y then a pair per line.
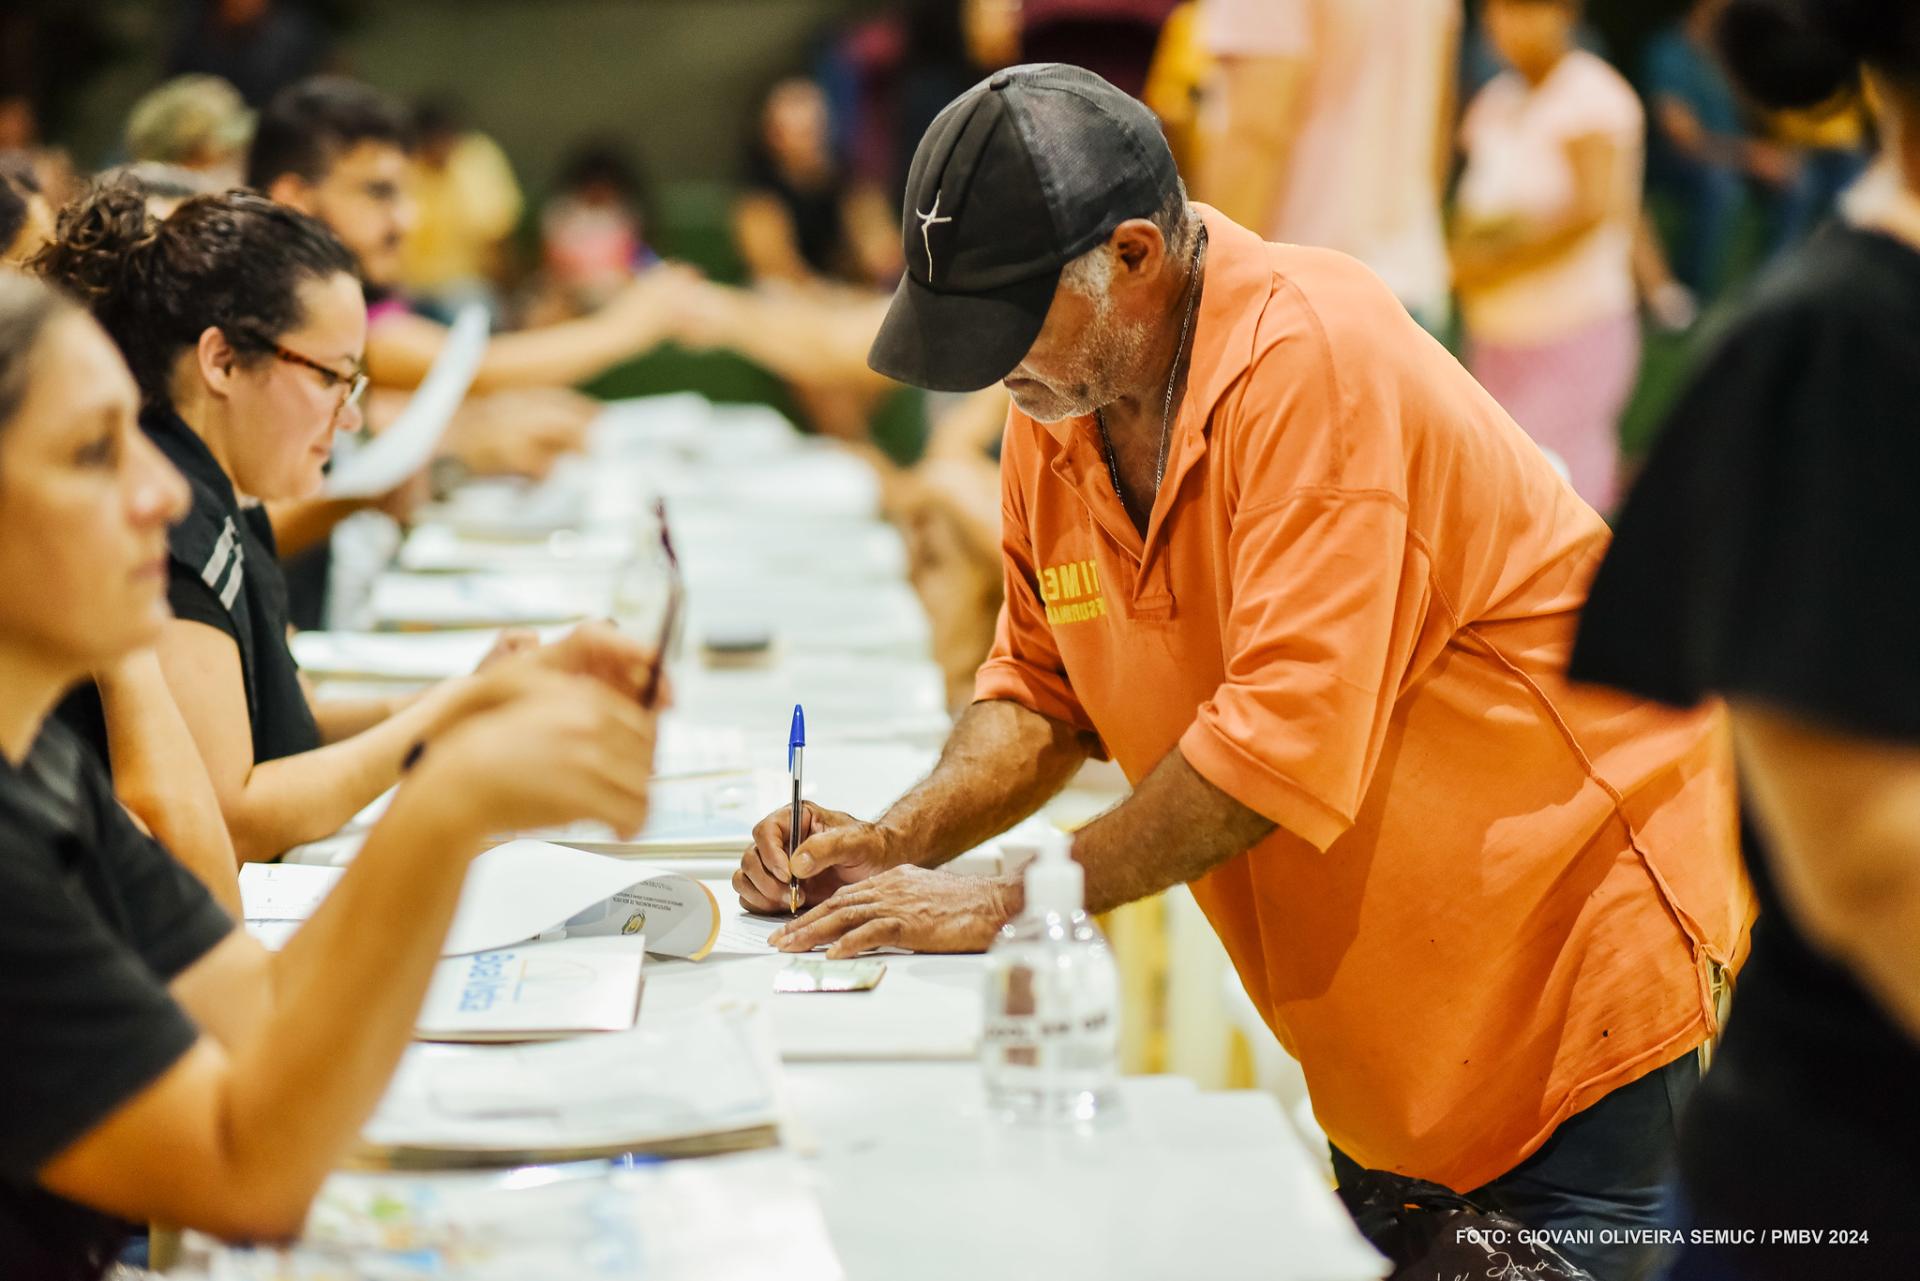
x,y
244,326
156,1064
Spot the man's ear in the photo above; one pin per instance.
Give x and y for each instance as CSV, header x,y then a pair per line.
x,y
1139,246
292,190
216,360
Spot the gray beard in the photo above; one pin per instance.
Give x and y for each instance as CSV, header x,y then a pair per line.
x,y
1112,355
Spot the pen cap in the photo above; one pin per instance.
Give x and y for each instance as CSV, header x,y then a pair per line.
x,y
1055,883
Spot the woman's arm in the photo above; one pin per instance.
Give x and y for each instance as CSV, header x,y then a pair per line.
x,y
763,233
814,337
237,1136
401,349
1491,254
272,806
1843,816
158,774
873,234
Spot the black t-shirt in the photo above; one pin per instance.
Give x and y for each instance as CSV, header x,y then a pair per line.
x,y
222,570
95,919
819,218
1770,551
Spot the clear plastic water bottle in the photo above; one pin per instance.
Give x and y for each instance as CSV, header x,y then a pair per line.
x,y
1049,1045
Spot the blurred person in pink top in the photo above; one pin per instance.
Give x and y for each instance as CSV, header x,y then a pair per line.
x,y
1331,125
1548,207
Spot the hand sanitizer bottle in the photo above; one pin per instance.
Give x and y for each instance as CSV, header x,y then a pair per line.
x,y
1049,1045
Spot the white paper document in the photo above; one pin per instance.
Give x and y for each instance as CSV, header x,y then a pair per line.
x,y
426,601
659,1221
415,656
277,898
536,991
690,814
528,889
703,1081
442,549
408,443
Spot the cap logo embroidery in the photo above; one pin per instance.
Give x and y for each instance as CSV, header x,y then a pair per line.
x,y
929,219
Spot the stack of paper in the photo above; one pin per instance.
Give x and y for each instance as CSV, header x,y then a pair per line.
x,y
518,508
663,1221
716,547
442,549
807,615
515,893
423,602
537,992
277,898
410,657
697,1084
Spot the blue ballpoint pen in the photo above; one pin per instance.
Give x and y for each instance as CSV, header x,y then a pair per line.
x,y
796,753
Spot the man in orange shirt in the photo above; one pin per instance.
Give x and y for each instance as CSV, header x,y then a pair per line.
x,y
1271,548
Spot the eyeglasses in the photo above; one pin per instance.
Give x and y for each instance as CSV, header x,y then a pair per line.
x,y
355,382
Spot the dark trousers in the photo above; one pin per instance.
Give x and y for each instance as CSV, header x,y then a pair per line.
x,y
1605,1167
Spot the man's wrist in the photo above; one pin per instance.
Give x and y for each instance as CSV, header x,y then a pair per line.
x,y
1009,895
893,844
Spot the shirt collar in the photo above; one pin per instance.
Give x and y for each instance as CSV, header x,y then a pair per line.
x,y
46,785
184,449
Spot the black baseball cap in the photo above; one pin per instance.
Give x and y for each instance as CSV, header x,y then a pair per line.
x,y
1017,177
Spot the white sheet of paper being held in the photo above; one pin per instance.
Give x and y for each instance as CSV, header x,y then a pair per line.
x,y
527,889
408,443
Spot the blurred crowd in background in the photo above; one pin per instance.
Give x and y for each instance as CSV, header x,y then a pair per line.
x,y
1560,210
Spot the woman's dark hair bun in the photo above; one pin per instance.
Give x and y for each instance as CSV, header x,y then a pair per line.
x,y
103,243
1801,53
231,260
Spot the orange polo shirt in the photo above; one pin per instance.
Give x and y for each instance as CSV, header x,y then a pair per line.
x,y
1494,896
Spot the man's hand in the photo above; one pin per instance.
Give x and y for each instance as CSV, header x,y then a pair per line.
x,y
908,907
836,850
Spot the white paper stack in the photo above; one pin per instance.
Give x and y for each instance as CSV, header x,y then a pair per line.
x,y
277,898
424,602
536,992
662,1221
695,1084
443,549
409,657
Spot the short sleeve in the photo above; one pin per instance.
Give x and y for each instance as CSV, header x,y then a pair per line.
x,y
1769,549
1596,100
1024,666
88,1024
196,602
1258,28
172,920
1330,597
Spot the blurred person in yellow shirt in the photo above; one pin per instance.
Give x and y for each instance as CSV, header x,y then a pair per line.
x,y
1177,83
467,202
